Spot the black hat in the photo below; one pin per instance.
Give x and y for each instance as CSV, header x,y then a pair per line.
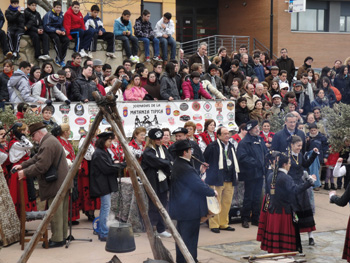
x,y
181,145
155,134
251,124
298,83
107,135
312,126
180,130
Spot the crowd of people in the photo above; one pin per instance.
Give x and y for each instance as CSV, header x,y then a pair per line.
x,y
260,87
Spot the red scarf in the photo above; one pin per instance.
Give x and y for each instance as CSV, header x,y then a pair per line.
x,y
68,147
43,90
118,152
206,137
169,143
9,74
133,144
236,137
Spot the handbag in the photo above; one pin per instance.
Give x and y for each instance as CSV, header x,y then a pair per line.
x,y
52,174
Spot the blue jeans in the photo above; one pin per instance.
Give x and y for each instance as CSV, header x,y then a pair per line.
x,y
146,41
83,37
104,212
126,44
164,42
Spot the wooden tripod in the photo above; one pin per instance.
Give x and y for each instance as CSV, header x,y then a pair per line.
x,y
108,108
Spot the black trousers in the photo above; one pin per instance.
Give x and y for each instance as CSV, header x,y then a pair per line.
x,y
108,37
189,231
61,44
153,213
14,37
3,41
251,201
35,37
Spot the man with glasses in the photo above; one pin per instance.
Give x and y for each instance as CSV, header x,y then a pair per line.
x,y
158,69
50,153
279,142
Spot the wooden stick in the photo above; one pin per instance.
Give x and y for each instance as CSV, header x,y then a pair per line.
x,y
64,187
151,193
271,255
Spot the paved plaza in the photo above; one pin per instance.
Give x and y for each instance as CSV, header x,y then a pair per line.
x,y
226,247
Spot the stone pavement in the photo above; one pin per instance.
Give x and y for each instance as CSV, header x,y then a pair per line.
x,y
226,247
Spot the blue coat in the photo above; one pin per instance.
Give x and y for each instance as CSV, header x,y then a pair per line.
x,y
251,153
53,22
119,27
279,142
97,21
211,156
188,192
259,72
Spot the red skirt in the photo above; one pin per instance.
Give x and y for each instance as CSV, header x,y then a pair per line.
x,y
86,202
262,222
16,197
75,210
346,251
277,233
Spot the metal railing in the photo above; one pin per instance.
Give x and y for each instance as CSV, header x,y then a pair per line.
x,y
258,45
231,43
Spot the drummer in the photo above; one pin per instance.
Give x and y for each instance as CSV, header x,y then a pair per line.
x,y
187,202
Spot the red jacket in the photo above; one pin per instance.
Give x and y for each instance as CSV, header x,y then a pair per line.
x,y
72,21
187,91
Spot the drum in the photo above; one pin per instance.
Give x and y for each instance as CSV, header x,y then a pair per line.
x,y
214,208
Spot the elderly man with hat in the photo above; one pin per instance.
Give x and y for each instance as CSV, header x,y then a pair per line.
x,y
156,163
251,153
104,179
180,134
274,74
188,194
221,176
50,154
45,90
302,98
276,104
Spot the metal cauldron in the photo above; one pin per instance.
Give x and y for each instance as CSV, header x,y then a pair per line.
x,y
120,238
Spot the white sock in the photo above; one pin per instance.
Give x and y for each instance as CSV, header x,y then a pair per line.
x,y
310,234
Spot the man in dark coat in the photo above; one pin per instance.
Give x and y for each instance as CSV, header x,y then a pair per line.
x,y
200,57
187,198
83,86
50,153
286,63
246,69
180,134
235,72
251,153
222,176
214,79
279,142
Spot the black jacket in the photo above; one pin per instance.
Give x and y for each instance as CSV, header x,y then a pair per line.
x,y
247,70
103,174
188,192
251,153
15,20
151,164
4,94
288,65
83,88
320,142
242,115
2,19
230,75
32,20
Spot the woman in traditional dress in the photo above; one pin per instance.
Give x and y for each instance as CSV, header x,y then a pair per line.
x,y
266,134
63,136
4,160
138,142
209,134
116,150
278,229
19,151
166,140
304,208
156,162
88,204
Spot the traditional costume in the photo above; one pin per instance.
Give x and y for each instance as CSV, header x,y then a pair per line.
x,y
137,149
205,138
117,152
4,160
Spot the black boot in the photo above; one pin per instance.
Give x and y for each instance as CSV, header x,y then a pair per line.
x,y
326,186
333,187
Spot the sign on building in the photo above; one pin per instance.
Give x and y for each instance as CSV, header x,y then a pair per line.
x,y
297,6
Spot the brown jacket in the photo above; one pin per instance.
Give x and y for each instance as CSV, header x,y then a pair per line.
x,y
195,58
49,153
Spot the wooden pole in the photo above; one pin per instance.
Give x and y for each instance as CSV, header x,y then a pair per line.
x,y
151,193
64,187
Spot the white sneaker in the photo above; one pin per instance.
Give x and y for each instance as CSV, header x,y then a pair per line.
x,y
133,59
42,57
47,57
165,234
83,53
111,55
137,59
90,55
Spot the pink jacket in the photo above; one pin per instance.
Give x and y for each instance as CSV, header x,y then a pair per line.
x,y
187,91
134,93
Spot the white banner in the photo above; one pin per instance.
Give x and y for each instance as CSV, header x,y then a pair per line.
x,y
149,114
297,6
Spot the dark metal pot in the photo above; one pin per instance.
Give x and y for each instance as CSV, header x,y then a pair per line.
x,y
120,238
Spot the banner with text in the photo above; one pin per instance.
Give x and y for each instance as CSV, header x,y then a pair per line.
x,y
148,114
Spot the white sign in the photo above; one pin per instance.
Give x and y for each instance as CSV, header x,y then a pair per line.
x,y
297,6
148,114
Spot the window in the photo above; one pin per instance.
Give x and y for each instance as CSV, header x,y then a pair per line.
x,y
344,19
314,19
